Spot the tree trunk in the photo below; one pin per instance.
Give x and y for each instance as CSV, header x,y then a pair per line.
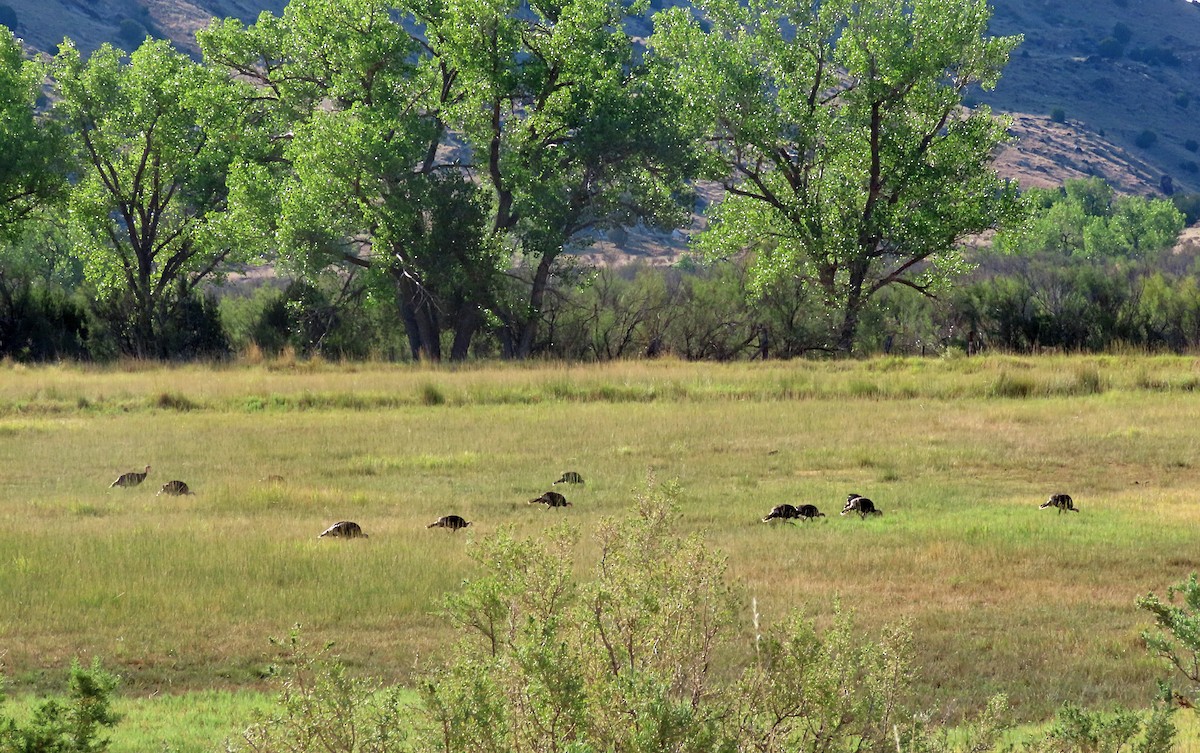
x,y
537,296
465,329
853,308
420,319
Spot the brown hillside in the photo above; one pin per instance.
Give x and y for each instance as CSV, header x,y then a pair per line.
x,y
1109,93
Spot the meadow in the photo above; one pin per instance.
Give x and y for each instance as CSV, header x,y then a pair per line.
x,y
180,595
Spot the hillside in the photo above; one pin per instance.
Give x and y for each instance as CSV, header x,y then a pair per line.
x,y
1107,87
1119,73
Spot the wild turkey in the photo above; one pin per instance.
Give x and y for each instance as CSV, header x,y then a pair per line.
x,y
175,488
570,477
551,499
274,478
345,529
781,512
808,512
861,505
453,522
1062,501
133,478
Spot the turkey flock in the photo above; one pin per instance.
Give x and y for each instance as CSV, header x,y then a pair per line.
x,y
135,478
855,504
348,529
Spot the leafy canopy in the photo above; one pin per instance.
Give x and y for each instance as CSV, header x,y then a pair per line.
x,y
837,130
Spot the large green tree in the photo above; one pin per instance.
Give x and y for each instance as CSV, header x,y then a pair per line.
x,y
568,129
352,108
157,138
436,143
837,130
30,150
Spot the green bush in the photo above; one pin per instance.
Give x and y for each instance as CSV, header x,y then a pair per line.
x,y
1077,730
626,661
1176,637
322,707
75,725
1110,48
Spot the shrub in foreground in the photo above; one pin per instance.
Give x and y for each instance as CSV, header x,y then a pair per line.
x,y
75,725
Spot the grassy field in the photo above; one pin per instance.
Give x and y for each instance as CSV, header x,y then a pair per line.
x,y
180,595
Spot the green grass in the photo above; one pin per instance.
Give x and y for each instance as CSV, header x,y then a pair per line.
x,y
180,595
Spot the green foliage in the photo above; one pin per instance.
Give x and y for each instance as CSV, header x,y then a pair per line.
x,y
1146,139
619,663
847,157
322,707
812,692
625,661
157,143
1189,205
986,732
32,170
75,725
430,159
1176,637
1077,730
361,181
42,316
1086,218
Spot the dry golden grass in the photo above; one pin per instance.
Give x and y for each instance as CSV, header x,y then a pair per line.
x,y
182,593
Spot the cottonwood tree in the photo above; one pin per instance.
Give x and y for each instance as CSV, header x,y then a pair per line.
x,y
365,177
837,130
158,140
31,169
567,129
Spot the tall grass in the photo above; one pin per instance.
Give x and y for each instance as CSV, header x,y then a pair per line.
x,y
181,594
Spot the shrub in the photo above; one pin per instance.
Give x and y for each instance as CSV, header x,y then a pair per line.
x,y
1058,115
321,707
1191,145
1176,637
1110,48
1146,139
73,726
131,32
624,662
1189,204
1077,730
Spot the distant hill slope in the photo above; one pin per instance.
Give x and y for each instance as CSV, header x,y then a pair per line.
x,y
1125,77
89,23
1100,87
